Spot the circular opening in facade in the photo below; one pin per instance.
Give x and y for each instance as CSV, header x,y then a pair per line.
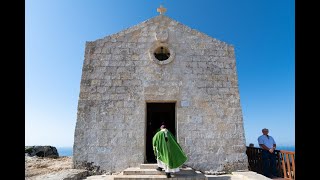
x,y
162,53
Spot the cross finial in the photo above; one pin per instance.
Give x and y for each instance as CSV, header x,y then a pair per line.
x,y
161,10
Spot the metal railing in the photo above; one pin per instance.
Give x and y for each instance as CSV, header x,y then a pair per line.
x,y
285,162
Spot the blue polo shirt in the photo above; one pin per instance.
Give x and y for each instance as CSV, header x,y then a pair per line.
x,y
263,139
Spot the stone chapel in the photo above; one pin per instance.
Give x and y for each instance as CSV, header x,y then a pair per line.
x,y
159,71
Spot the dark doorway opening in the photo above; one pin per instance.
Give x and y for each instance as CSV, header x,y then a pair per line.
x,y
156,114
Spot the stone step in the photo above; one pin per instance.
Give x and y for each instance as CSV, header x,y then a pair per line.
x,y
136,177
184,174
158,177
138,171
148,166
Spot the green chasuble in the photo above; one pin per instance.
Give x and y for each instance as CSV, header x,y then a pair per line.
x,y
170,152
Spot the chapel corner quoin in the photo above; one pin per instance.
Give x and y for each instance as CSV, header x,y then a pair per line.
x,y
159,70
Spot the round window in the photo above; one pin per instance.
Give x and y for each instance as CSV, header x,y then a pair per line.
x,y
162,53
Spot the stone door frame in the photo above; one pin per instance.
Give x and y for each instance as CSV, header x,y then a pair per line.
x,y
146,121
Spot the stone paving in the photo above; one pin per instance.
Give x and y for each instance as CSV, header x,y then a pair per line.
x,y
146,173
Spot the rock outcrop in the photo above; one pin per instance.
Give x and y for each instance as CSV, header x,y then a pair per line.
x,y
42,151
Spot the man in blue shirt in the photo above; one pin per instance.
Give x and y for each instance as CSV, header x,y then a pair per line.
x,y
268,145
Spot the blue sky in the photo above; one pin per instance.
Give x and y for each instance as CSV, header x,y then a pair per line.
x,y
262,32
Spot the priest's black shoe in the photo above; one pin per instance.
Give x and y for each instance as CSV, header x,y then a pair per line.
x,y
168,175
159,169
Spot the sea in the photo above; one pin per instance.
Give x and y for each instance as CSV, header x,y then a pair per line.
x,y
67,151
287,148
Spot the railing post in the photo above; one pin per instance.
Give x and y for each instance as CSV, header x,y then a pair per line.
x,y
288,164
284,167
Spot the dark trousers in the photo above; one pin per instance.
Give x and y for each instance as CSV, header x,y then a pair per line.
x,y
269,163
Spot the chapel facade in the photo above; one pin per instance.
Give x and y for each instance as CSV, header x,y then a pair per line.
x,y
159,71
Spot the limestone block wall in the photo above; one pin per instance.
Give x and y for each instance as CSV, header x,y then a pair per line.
x,y
118,78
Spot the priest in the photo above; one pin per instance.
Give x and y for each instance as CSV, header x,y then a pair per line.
x,y
168,152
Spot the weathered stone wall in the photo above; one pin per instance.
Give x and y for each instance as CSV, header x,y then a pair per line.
x,y
118,79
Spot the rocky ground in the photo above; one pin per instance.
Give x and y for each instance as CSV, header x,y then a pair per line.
x,y
37,166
